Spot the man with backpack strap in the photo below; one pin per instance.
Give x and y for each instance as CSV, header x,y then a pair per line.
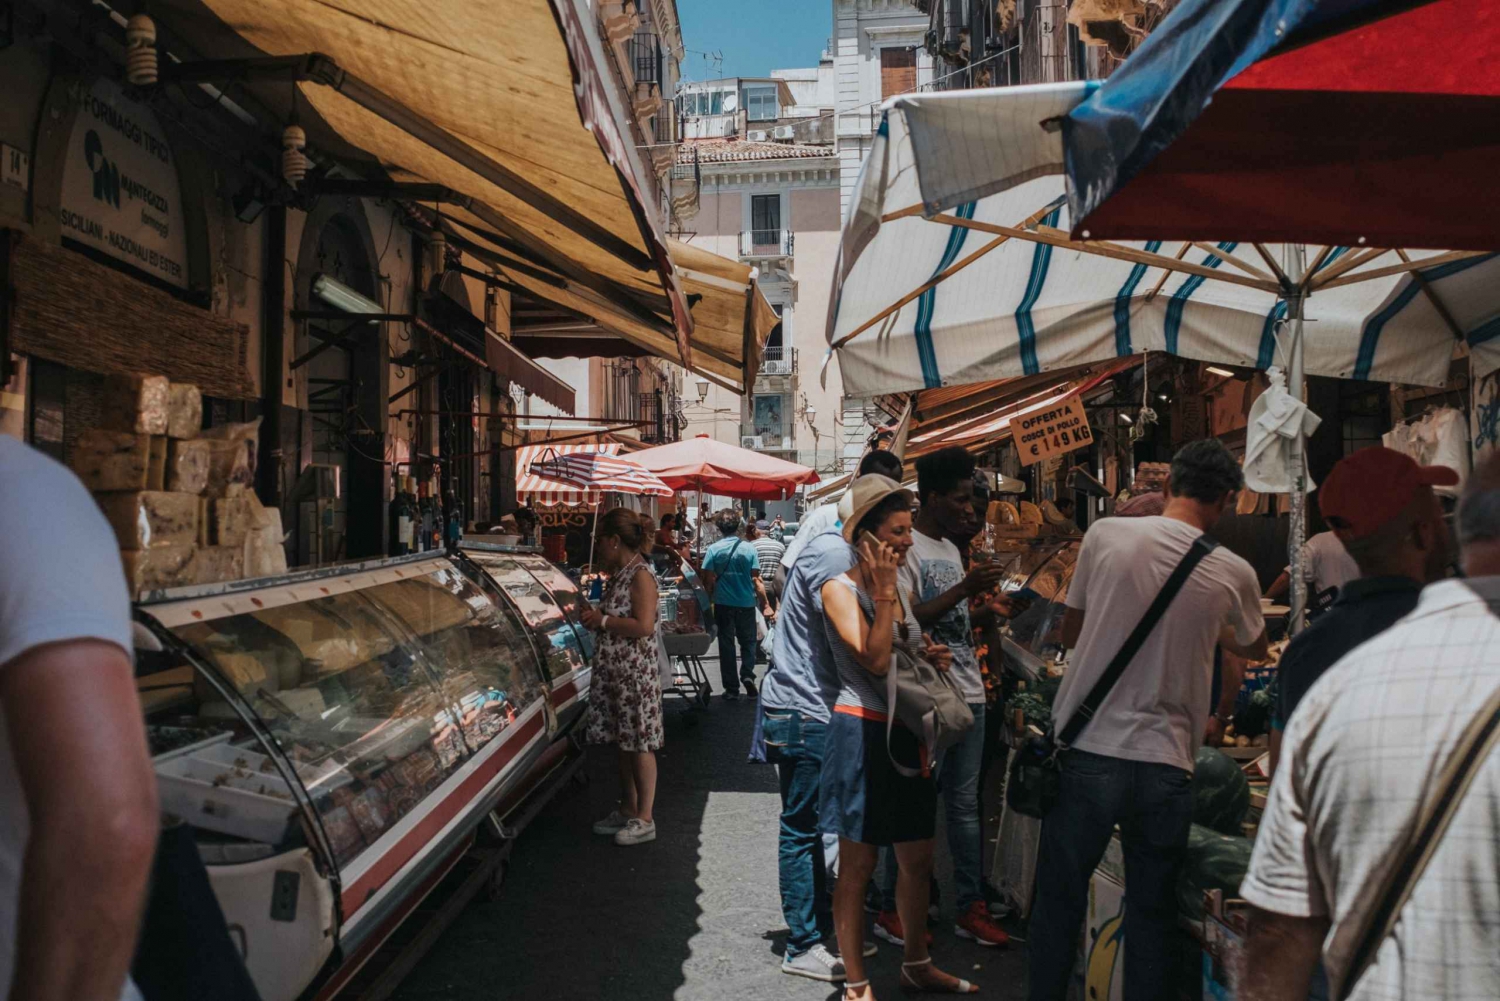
x,y
1132,763
731,572
1347,867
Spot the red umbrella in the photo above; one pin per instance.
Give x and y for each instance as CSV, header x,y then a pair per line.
x,y
711,466
597,473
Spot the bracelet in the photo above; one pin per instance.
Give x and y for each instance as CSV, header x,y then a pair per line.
x,y
604,624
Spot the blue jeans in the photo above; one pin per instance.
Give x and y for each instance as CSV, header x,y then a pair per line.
x,y
794,744
736,623
958,780
1153,805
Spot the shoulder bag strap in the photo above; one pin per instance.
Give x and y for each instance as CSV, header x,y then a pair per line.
x,y
1424,836
1200,548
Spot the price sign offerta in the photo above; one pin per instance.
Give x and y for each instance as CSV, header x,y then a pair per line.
x,y
1051,430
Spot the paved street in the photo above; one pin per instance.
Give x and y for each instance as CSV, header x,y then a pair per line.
x,y
693,916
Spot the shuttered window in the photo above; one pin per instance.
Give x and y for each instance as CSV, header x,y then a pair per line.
x,y
898,72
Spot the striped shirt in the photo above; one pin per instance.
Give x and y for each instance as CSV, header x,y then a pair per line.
x,y
859,690
770,552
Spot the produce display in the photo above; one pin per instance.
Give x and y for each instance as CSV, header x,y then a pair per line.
x,y
1214,862
1221,793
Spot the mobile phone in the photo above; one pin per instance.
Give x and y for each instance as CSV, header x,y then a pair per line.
x,y
869,536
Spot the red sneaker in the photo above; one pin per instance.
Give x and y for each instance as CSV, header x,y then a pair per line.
x,y
976,925
888,927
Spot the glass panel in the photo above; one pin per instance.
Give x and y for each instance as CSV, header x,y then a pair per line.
x,y
717,105
378,695
549,600
761,104
1039,628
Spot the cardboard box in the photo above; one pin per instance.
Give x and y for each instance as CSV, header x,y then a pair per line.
x,y
1103,956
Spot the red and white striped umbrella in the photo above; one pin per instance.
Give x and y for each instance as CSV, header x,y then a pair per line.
x,y
596,473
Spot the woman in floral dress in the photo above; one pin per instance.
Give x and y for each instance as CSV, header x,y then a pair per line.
x,y
625,694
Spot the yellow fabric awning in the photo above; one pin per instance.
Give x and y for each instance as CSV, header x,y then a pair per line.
x,y
480,99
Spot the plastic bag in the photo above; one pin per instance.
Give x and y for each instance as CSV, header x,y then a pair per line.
x,y
1221,793
1214,862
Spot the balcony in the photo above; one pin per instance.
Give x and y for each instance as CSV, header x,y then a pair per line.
x,y
663,411
766,244
767,436
778,360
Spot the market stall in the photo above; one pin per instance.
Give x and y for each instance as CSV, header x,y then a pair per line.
x,y
335,737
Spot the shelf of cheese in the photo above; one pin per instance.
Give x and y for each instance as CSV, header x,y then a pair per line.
x,y
178,498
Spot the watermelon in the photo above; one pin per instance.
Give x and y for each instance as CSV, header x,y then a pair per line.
x,y
1221,793
1214,862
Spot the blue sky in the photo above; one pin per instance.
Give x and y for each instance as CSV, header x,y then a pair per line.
x,y
755,36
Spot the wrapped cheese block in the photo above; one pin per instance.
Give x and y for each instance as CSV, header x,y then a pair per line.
x,y
150,518
264,555
156,475
229,469
159,567
135,403
187,466
233,519
184,410
112,460
217,564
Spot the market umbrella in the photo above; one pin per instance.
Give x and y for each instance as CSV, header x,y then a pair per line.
x,y
1368,122
708,465
596,474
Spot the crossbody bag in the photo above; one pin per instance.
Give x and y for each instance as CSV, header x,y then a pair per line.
x,y
1424,833
1035,771
927,701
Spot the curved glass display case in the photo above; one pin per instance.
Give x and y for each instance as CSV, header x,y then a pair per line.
x,y
361,719
1032,643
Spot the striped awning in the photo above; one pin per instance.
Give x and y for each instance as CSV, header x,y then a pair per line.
x,y
597,474
539,491
930,292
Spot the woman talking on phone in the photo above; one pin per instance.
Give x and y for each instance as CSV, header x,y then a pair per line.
x,y
864,799
625,697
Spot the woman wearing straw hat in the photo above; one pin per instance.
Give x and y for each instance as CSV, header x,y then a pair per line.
x,y
864,799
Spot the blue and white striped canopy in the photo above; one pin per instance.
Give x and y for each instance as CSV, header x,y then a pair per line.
x,y
1026,307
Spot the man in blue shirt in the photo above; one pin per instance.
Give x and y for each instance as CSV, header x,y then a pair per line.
x,y
731,572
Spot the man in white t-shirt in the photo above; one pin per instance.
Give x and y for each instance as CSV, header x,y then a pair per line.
x,y
1325,564
1365,746
1132,765
78,813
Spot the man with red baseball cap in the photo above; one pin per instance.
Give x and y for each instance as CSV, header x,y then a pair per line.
x,y
1380,505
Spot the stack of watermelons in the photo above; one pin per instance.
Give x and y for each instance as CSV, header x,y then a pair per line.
x,y
1217,855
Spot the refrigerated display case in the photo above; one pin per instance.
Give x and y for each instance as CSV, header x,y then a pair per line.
x,y
1031,645
336,737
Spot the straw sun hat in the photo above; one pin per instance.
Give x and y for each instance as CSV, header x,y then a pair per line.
x,y
862,497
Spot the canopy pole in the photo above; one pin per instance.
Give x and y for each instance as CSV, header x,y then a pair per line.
x,y
1296,455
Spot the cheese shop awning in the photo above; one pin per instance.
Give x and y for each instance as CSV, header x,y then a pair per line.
x,y
510,107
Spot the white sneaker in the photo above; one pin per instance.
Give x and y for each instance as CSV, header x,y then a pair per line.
x,y
612,824
816,963
636,832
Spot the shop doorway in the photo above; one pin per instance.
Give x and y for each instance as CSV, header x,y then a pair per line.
x,y
340,487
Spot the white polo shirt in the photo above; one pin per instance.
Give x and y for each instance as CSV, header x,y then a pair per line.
x,y
1356,760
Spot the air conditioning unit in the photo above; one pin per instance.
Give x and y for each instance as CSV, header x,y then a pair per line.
x,y
780,366
782,132
752,441
757,135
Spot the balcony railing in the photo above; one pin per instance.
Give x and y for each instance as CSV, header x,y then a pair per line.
x,y
767,436
778,360
766,243
661,409
645,57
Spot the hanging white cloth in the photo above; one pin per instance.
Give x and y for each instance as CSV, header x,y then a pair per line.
x,y
1439,438
1275,418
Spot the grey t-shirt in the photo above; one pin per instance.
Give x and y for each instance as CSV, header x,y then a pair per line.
x,y
1158,709
60,579
803,674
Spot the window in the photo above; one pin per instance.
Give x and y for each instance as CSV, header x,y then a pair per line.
x,y
761,104
765,219
898,72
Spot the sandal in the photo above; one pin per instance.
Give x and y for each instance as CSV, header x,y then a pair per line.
x,y
910,985
858,987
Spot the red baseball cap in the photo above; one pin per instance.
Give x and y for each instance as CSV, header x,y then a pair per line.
x,y
1369,488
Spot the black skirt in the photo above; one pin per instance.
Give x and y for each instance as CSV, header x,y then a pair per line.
x,y
863,797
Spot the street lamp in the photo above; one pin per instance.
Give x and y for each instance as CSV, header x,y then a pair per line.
x,y
702,385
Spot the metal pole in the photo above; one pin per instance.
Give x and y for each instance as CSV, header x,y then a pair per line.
x,y
1296,455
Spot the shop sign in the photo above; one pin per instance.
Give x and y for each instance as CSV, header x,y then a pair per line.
x,y
1051,430
562,518
120,192
15,167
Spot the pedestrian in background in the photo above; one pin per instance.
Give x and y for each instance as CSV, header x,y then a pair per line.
x,y
1132,765
769,552
731,573
864,799
1366,753
625,697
